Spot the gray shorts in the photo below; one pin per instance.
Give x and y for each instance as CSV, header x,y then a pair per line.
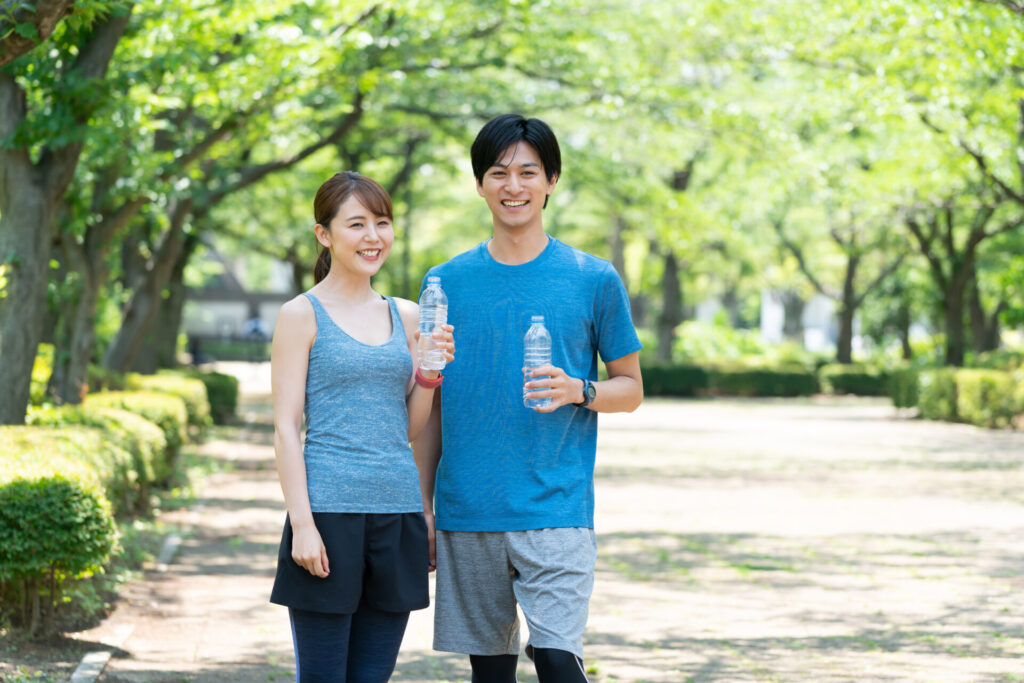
x,y
481,575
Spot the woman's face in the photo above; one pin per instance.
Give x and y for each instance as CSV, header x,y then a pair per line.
x,y
359,240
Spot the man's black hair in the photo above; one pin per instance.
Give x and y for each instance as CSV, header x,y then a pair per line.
x,y
503,131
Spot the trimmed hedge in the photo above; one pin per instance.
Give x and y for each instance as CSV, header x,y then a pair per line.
x,y
986,397
853,379
55,522
191,390
142,439
903,387
761,382
674,380
166,411
697,380
937,397
222,393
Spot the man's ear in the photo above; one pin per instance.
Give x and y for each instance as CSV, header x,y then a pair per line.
x,y
551,183
479,188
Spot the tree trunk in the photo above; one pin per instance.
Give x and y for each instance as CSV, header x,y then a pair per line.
x,y
29,197
27,211
847,308
792,316
75,341
144,303
167,323
953,304
903,330
671,307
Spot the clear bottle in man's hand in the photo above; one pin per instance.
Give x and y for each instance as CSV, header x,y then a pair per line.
x,y
536,352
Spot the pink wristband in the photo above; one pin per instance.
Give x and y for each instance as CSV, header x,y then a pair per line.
x,y
428,383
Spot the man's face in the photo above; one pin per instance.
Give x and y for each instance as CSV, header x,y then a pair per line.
x,y
515,188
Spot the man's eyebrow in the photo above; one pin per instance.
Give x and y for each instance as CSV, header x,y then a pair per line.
x,y
525,163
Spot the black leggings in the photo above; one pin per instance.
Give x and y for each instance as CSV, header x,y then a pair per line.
x,y
346,648
553,666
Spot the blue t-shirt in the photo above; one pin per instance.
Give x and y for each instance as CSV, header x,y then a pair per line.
x,y
503,466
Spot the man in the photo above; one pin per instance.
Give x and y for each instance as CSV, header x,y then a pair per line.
x,y
515,486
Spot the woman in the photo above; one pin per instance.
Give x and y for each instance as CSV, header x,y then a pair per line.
x,y
354,553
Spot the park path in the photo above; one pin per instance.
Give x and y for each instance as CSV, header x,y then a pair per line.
x,y
807,540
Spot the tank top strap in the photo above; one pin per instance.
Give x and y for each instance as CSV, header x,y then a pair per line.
x,y
318,310
398,329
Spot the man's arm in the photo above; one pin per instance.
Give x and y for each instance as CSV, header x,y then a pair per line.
x,y
426,449
622,392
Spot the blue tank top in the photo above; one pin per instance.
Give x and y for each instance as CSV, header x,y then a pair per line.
x,y
357,452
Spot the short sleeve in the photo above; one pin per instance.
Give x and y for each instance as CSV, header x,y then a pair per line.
x,y
613,320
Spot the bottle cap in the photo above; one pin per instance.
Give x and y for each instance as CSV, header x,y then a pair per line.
x,y
433,280
536,318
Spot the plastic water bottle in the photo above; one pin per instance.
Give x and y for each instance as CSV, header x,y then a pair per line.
x,y
536,352
433,314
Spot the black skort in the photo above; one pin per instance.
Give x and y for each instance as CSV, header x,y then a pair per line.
x,y
381,558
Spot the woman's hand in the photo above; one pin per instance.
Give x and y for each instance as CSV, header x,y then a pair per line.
x,y
444,339
308,550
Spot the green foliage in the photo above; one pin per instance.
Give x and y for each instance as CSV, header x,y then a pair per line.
x,y
859,380
999,360
903,386
937,394
740,381
129,431
41,371
100,378
189,389
166,411
674,380
222,392
55,522
986,397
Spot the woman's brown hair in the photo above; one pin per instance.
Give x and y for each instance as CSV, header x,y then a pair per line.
x,y
335,192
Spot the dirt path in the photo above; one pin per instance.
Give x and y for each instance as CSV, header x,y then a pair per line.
x,y
739,541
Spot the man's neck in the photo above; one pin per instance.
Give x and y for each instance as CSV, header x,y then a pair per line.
x,y
513,249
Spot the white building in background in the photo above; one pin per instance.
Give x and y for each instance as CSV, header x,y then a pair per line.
x,y
818,321
228,309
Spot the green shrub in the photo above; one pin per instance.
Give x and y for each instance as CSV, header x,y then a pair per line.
x,y
191,390
858,380
166,411
222,392
55,522
937,394
100,378
903,387
725,381
985,397
142,439
674,380
999,360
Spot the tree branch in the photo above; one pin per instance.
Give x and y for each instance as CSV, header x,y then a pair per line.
x,y
1015,6
41,17
248,176
800,260
882,276
926,250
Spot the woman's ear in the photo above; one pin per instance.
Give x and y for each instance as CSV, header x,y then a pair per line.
x,y
323,235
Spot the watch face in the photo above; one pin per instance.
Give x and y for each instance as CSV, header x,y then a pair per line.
x,y
591,392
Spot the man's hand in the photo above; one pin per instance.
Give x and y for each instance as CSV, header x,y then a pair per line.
x,y
558,386
431,540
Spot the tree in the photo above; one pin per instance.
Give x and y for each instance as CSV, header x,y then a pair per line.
x,y
43,135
